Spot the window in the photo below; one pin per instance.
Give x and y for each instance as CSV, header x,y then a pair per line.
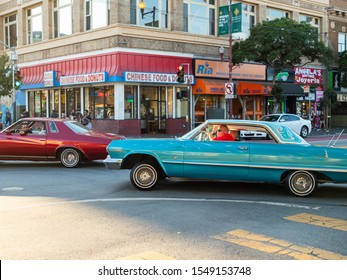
x,y
97,14
130,102
37,103
34,18
248,21
199,17
342,43
11,30
155,13
314,21
62,18
99,101
272,14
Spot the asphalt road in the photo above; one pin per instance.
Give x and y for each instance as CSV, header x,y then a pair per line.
x,y
91,213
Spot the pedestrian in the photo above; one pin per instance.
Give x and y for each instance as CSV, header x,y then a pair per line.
x,y
54,114
72,115
87,120
24,114
8,118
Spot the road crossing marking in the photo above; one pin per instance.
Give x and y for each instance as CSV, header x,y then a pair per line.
x,y
275,246
321,221
150,255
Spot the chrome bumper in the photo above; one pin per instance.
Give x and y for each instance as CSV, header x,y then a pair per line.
x,y
112,163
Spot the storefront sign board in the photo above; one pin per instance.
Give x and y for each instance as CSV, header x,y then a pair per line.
x,y
308,75
49,78
83,79
162,78
220,69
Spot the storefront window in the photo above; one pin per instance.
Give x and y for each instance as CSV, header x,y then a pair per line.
x,y
73,100
37,103
182,105
130,102
53,102
63,103
170,102
99,101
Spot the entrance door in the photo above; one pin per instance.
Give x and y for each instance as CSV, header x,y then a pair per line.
x,y
149,109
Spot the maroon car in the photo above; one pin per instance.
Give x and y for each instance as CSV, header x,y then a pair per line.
x,y
50,139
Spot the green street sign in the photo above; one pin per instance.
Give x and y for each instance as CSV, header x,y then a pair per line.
x,y
223,19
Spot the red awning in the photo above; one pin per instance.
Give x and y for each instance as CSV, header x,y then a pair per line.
x,y
112,63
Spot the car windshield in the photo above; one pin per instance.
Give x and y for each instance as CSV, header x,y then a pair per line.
x,y
193,132
270,118
77,127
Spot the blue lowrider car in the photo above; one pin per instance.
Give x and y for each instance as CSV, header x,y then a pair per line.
x,y
282,157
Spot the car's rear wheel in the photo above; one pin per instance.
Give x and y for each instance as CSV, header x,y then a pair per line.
x,y
144,176
70,157
304,131
301,183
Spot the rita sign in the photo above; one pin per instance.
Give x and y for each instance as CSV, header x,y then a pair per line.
x,y
308,75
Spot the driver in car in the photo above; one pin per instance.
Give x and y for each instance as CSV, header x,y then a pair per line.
x,y
25,129
222,134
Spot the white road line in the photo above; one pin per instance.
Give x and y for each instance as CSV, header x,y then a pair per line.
x,y
280,204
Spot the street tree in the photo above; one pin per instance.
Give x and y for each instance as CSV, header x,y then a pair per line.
x,y
281,44
5,76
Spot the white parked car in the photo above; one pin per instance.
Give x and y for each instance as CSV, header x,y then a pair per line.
x,y
299,125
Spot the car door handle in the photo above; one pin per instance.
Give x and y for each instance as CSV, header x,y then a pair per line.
x,y
243,148
42,139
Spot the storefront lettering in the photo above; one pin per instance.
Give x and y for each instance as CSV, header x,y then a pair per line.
x,y
308,75
154,77
204,69
83,79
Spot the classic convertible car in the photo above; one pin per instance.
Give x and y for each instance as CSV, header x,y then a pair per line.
x,y
284,157
49,139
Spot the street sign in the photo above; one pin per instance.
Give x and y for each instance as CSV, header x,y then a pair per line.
x,y
229,90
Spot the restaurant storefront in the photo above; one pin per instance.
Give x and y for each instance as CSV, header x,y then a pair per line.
x,y
209,90
126,93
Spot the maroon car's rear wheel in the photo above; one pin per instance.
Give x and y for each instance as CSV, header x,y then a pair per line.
x,y
144,176
70,157
301,183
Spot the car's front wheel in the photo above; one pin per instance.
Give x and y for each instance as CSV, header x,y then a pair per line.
x,y
144,176
301,183
304,131
70,157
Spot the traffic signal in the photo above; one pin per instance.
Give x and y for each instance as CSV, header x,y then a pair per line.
x,y
17,79
180,74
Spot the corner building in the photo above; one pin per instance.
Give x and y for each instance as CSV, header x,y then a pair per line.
x,y
119,59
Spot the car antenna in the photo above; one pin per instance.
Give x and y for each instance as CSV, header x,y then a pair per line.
x,y
338,137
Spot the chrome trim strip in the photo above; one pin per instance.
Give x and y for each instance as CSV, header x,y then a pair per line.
x,y
259,166
3,157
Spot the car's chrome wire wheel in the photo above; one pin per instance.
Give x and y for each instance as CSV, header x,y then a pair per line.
x,y
144,176
70,158
301,183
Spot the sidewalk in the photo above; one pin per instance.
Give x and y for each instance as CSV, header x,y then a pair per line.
x,y
327,131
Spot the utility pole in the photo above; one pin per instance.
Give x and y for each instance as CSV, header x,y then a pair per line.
x,y
230,57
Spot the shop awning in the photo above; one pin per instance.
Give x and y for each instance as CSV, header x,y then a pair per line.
x,y
293,90
247,88
209,86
